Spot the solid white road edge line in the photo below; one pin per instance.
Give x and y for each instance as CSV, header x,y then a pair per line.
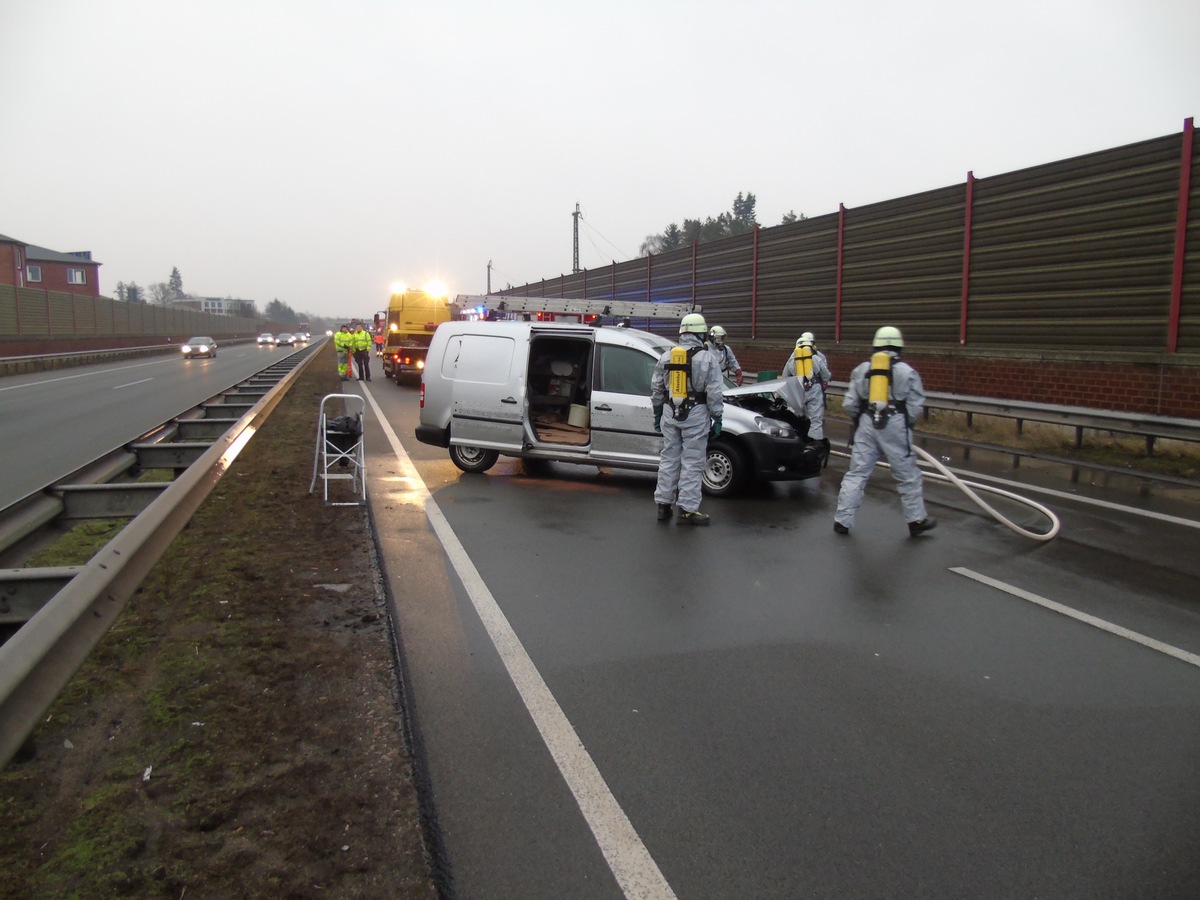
x,y
631,864
1182,655
132,383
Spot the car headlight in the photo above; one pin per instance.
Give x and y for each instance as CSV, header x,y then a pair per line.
x,y
186,349
774,427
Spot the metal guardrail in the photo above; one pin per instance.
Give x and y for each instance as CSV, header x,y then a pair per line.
x,y
39,362
41,657
1081,418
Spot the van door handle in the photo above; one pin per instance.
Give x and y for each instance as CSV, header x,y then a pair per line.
x,y
603,407
508,400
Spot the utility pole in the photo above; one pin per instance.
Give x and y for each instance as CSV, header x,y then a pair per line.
x,y
575,216
489,289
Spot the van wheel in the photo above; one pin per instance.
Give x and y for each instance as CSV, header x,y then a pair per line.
x,y
473,459
725,469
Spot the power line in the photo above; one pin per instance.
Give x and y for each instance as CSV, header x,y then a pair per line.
x,y
620,253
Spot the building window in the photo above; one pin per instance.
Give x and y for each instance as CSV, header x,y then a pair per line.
x,y
76,276
33,273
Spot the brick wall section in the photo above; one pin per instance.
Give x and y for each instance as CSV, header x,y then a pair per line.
x,y
8,263
1163,385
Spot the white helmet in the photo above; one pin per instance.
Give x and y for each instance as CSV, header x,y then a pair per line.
x,y
693,323
717,333
887,336
806,340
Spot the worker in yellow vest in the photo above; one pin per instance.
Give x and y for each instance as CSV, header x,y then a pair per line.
x,y
362,351
343,342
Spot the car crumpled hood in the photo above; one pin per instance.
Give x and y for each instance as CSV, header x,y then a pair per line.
x,y
757,387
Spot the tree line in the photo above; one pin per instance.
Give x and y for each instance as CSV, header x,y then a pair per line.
x,y
741,219
164,293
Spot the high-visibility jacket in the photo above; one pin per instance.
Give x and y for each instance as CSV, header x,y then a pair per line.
x,y
361,339
343,340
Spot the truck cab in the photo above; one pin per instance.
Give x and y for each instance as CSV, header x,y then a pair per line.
x,y
412,318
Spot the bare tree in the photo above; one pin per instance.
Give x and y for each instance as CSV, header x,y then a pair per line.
x,y
160,293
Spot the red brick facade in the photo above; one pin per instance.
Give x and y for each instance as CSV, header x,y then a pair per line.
x,y
53,267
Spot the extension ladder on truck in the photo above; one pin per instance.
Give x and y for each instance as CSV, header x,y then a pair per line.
x,y
339,455
564,306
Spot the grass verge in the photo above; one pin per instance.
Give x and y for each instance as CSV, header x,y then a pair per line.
x,y
235,734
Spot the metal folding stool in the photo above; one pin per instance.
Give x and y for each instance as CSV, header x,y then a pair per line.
x,y
340,446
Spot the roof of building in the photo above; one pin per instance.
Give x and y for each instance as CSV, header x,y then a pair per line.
x,y
44,254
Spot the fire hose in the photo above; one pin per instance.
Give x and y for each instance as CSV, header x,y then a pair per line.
x,y
969,488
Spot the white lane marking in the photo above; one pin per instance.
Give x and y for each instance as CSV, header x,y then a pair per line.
x,y
1182,655
29,384
627,857
132,383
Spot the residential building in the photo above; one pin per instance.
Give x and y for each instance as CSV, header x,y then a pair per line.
x,y
29,266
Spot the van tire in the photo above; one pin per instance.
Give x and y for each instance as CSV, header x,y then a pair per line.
x,y
473,459
725,469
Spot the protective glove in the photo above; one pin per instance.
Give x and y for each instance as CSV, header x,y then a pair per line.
x,y
716,427
738,377
658,419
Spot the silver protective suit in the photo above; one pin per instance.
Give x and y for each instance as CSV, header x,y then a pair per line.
x,y
726,358
892,442
808,400
685,441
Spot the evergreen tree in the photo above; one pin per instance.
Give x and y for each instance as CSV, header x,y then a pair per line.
x,y
741,220
175,283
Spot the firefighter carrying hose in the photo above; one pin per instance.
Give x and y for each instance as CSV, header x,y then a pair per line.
x,y
884,398
687,386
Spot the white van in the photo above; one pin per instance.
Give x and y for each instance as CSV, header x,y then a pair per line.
x,y
581,394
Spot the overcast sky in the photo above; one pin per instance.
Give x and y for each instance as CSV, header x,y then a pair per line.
x,y
316,152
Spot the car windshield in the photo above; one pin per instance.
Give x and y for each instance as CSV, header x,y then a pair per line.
x,y
200,340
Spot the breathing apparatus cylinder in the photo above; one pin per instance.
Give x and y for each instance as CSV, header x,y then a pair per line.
x,y
878,388
678,380
804,365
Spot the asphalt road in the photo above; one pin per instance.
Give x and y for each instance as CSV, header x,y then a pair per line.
x,y
51,423
607,706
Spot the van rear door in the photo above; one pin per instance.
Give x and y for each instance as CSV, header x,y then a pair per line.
x,y
488,374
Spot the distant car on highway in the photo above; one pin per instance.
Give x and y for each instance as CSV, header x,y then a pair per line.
x,y
284,339
266,340
199,346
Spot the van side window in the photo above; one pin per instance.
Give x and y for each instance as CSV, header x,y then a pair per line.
x,y
624,370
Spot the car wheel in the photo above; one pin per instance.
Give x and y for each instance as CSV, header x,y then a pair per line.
x,y
473,459
724,470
